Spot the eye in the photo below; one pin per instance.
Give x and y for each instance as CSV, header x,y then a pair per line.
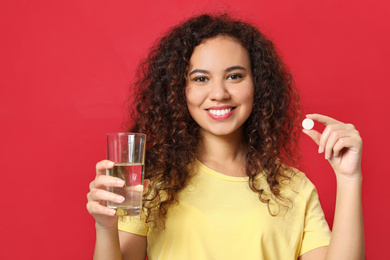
x,y
235,76
200,79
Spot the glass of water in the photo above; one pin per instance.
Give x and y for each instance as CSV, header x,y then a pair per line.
x,y
127,151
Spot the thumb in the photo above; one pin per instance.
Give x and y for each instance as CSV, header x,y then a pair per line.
x,y
313,134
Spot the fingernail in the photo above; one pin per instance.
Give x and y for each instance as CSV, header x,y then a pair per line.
x,y
327,156
320,149
112,212
120,182
120,199
110,164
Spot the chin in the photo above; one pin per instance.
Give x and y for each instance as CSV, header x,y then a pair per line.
x,y
224,132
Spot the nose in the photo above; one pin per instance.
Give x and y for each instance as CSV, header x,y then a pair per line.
x,y
219,91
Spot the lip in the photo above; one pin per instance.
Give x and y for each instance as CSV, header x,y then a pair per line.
x,y
220,117
220,107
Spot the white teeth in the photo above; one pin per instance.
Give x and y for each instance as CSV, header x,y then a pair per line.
x,y
220,112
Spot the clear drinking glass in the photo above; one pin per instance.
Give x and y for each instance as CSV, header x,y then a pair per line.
x,y
127,151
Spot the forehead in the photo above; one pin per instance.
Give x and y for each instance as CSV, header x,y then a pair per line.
x,y
220,51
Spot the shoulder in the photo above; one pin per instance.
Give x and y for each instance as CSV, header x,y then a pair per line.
x,y
294,183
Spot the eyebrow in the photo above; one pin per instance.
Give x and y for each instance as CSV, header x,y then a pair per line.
x,y
226,70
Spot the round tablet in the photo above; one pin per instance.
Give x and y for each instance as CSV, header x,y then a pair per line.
x,y
308,123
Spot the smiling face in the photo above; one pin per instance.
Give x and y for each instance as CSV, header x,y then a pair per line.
x,y
220,88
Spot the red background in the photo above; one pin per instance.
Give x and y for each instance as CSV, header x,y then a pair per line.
x,y
65,69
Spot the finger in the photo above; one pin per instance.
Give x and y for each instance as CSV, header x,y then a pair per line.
x,y
106,181
321,139
136,188
96,208
353,143
328,131
313,134
102,166
332,139
326,120
103,195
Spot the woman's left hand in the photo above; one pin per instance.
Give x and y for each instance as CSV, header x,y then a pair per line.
x,y
341,144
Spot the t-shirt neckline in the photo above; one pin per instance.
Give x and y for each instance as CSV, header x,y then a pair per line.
x,y
219,175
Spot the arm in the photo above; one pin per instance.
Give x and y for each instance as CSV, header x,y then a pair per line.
x,y
342,146
107,244
111,244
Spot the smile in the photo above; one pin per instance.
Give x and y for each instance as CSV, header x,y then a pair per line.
x,y
220,112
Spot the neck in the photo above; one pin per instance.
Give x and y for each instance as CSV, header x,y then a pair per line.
x,y
225,154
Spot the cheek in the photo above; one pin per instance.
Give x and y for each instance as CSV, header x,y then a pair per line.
x,y
245,94
189,97
250,93
247,98
194,97
191,102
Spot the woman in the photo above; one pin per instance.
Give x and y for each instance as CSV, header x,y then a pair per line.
x,y
220,113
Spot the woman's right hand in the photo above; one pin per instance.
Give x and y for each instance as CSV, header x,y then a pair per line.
x,y
98,196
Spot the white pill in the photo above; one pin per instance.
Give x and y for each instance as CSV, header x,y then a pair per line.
x,y
308,123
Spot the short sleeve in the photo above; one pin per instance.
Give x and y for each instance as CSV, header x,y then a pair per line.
x,y
134,225
316,231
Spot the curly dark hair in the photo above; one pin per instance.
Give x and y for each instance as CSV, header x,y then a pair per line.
x,y
173,136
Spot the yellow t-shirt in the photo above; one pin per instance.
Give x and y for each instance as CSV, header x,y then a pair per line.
x,y
220,217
